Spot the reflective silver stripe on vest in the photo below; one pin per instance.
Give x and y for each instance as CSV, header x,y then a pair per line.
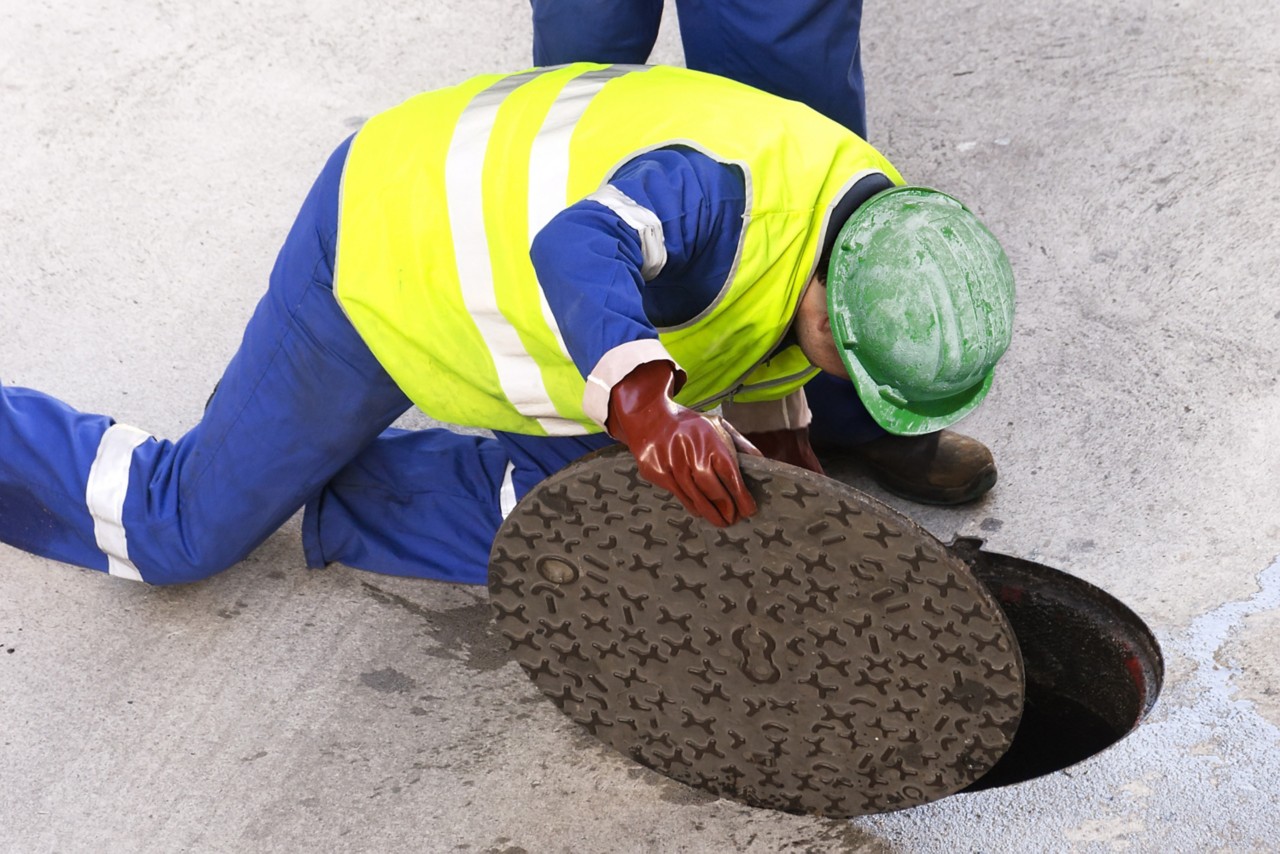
x,y
644,222
518,373
105,493
549,158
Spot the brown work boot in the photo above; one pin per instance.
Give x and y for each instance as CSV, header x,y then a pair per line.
x,y
937,468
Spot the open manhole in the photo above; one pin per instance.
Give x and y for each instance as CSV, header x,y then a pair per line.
x,y
828,656
1093,668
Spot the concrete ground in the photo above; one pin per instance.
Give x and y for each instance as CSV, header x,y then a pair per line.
x,y
154,154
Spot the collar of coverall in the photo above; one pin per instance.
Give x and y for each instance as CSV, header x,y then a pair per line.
x,y
856,196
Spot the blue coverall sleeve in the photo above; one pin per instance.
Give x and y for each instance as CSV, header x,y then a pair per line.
x,y
653,248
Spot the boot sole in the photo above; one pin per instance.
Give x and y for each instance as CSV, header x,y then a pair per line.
x,y
825,656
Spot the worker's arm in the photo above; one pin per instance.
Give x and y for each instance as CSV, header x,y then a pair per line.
x,y
653,247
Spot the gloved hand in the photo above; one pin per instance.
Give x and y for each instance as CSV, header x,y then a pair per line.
x,y
679,449
787,446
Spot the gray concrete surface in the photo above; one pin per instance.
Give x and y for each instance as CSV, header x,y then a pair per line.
x,y
154,154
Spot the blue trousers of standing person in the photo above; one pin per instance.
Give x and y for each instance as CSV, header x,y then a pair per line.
x,y
805,50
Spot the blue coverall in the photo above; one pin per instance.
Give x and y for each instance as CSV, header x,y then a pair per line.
x,y
805,50
301,415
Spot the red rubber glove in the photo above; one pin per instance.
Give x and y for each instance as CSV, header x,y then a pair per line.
x,y
787,446
679,449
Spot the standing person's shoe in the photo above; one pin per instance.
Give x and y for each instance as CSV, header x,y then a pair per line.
x,y
937,468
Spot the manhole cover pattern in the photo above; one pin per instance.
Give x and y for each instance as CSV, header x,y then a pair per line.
x,y
825,656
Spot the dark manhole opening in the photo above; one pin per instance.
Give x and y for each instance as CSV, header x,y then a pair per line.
x,y
1093,668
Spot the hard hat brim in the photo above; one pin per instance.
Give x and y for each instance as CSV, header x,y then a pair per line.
x,y
917,417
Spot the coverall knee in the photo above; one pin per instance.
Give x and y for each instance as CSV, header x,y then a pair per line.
x,y
428,503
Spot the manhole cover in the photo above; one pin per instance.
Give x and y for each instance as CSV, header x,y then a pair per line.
x,y
825,656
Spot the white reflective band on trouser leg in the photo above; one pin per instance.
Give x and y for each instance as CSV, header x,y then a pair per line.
x,y
105,493
507,496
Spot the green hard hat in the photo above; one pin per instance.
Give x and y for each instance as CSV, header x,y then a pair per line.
x,y
920,296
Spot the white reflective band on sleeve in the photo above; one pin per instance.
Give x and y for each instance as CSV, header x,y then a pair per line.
x,y
507,495
646,224
105,493
613,366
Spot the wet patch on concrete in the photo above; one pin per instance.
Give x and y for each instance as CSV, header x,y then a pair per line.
x,y
670,791
684,796
469,635
466,635
1256,659
502,845
230,613
1210,633
388,680
841,836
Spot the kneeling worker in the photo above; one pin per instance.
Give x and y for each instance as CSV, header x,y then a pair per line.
x,y
567,257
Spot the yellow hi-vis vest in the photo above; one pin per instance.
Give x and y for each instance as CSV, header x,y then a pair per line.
x,y
443,195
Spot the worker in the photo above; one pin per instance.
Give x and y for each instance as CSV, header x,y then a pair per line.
x,y
567,257
808,51
805,50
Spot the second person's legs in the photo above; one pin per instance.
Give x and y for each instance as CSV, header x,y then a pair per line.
x,y
594,30
805,50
